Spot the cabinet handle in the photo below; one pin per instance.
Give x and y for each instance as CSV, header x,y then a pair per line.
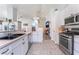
x,y
4,51
12,53
23,39
23,43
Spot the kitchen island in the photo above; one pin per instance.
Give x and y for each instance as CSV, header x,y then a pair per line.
x,y
16,46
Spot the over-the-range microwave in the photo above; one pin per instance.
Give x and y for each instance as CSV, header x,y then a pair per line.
x,y
72,20
69,20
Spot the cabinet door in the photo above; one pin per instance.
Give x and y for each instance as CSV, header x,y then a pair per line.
x,y
25,44
76,52
21,49
30,38
17,47
17,50
5,51
8,53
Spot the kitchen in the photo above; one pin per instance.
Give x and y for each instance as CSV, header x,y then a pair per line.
x,y
24,31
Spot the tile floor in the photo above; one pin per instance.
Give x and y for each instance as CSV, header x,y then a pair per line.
x,y
47,47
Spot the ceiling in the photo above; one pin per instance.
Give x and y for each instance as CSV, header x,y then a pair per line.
x,y
31,10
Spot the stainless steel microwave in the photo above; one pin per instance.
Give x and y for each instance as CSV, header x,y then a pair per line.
x,y
77,18
70,20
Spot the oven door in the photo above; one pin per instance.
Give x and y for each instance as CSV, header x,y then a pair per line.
x,y
66,43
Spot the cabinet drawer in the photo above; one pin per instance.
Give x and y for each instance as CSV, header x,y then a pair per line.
x,y
5,50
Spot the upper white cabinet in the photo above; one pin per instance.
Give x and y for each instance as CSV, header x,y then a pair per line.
x,y
12,13
18,25
7,11
3,11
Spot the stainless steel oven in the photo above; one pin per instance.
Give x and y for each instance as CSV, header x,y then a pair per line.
x,y
65,43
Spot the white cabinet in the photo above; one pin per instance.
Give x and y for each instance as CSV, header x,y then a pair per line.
x,y
76,45
25,44
17,50
76,52
5,51
12,13
76,48
37,36
17,25
29,40
22,47
19,47
7,11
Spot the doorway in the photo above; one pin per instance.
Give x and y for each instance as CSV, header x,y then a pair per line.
x,y
47,30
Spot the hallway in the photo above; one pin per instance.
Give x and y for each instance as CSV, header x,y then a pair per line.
x,y
48,47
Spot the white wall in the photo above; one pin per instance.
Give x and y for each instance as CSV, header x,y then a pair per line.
x,y
55,22
57,19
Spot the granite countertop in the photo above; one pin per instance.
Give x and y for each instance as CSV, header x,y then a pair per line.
x,y
5,42
17,31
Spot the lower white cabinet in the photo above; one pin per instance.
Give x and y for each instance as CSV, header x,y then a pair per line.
x,y
76,52
25,44
76,45
5,51
17,50
19,47
22,47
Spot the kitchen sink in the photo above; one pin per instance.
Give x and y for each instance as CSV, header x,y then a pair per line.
x,y
10,37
